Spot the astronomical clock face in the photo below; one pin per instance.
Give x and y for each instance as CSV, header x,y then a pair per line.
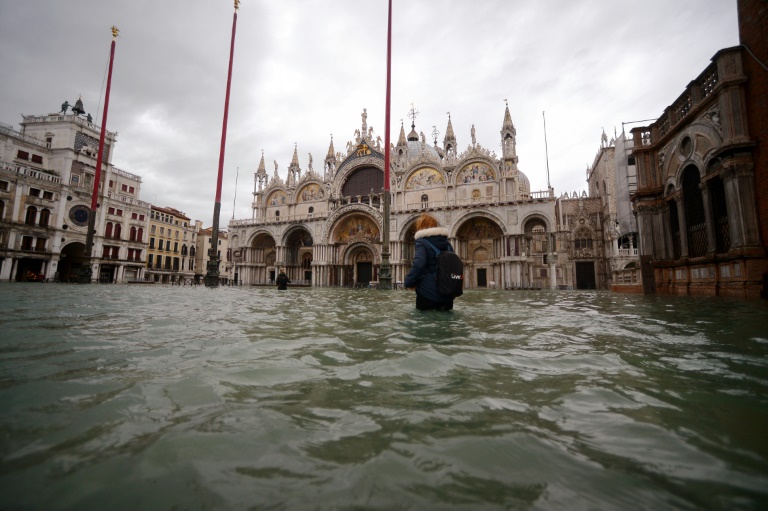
x,y
78,215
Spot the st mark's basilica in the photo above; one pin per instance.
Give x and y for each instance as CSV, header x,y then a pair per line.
x,y
324,226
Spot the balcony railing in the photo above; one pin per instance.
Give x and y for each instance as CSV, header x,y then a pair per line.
x,y
8,130
22,170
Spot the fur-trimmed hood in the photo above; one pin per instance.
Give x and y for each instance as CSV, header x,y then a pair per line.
x,y
432,231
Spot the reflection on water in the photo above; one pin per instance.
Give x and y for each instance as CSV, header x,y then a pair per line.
x,y
126,397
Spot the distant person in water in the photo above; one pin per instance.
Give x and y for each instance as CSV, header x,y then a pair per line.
x,y
421,278
282,280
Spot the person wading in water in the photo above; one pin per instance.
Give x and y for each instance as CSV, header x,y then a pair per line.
x,y
421,278
282,280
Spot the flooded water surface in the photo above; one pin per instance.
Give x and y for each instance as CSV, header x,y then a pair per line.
x,y
155,397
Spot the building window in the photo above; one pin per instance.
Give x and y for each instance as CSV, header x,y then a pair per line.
x,y
124,188
132,234
152,243
26,243
31,215
2,210
277,214
34,192
695,222
118,231
108,230
111,211
168,245
425,201
134,216
131,189
149,261
47,195
119,212
152,229
159,264
45,217
22,155
140,234
37,159
141,217
4,186
176,248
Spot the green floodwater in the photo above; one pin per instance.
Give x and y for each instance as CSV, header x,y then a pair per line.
x,y
157,397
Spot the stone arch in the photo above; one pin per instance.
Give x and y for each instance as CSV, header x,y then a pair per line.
x,y
355,226
530,221
310,191
476,170
459,222
337,215
424,176
298,242
361,181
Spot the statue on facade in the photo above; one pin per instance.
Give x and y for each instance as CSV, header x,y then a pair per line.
x,y
64,107
365,119
309,165
472,131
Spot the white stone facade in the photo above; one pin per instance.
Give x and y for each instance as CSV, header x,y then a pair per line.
x,y
325,226
46,183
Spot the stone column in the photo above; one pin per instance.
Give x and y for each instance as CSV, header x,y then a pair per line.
x,y
738,181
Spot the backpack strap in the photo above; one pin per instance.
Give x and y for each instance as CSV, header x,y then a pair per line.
x,y
437,251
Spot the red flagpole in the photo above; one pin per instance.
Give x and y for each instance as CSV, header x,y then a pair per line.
x,y
212,275
389,91
86,271
385,272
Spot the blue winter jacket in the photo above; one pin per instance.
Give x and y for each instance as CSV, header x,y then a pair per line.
x,y
422,274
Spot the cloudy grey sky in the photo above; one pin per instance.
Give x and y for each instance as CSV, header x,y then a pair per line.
x,y
305,69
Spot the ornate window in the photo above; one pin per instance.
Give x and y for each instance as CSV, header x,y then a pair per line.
x,y
424,201
118,231
582,239
362,181
719,215
108,230
695,221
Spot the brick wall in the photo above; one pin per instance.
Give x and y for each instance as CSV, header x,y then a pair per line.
x,y
753,33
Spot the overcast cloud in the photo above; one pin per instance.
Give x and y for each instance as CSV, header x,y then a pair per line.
x,y
305,69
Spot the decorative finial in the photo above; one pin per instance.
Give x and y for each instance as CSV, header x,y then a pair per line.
x,y
237,4
413,113
449,115
115,32
435,133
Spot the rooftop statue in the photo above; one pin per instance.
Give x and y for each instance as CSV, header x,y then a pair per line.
x,y
64,107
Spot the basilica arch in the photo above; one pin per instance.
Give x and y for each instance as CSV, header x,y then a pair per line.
x,y
257,259
479,241
298,254
355,246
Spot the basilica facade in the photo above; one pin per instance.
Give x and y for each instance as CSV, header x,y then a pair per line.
x,y
325,227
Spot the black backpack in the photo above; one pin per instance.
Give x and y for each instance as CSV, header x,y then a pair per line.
x,y
450,272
